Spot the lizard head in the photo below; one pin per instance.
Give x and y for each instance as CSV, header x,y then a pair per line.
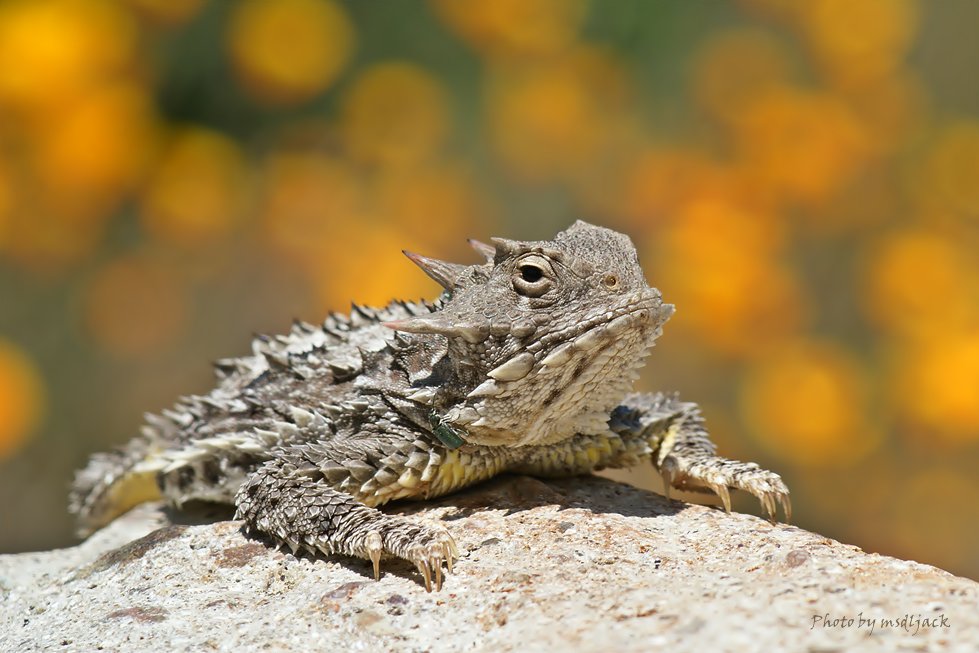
x,y
544,339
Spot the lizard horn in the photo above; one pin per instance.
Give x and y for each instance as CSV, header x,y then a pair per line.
x,y
445,273
472,333
508,247
486,251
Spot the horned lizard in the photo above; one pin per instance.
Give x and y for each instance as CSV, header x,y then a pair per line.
x,y
524,364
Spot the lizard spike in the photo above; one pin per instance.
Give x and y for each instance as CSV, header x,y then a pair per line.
x,y
514,369
471,333
488,252
507,247
486,389
422,395
443,272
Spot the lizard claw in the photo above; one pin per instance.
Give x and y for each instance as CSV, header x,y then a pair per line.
x,y
725,496
771,492
428,547
426,571
375,546
667,476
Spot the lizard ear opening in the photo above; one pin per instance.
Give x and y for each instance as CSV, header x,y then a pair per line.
x,y
443,272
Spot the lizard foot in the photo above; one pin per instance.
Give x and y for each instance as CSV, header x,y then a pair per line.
x,y
428,547
720,474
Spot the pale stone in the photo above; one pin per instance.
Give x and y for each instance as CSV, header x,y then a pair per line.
x,y
576,565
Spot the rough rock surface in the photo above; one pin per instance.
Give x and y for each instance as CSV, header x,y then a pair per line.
x,y
582,564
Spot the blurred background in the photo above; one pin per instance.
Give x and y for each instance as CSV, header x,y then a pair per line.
x,y
801,179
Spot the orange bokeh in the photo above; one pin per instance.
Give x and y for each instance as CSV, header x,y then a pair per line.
x,y
394,114
921,284
53,50
21,398
934,387
196,193
807,403
514,28
735,67
857,42
306,199
805,146
168,12
97,147
288,51
949,180
134,306
720,264
554,120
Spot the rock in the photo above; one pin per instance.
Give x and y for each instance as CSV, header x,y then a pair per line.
x,y
582,564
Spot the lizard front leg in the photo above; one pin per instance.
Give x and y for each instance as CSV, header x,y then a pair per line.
x,y
320,496
671,434
682,452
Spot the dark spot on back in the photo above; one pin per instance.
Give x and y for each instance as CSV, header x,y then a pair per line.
x,y
185,477
212,472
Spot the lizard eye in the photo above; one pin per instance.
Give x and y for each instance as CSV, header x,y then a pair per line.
x,y
530,273
611,281
533,276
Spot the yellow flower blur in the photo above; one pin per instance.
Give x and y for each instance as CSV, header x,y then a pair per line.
x,y
21,398
51,50
921,284
735,67
805,146
512,28
134,307
719,263
394,114
952,171
553,120
168,12
935,388
288,51
196,193
806,403
858,41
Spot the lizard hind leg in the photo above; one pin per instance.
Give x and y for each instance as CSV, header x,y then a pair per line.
x,y
300,498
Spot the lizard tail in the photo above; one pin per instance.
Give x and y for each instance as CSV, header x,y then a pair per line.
x,y
111,484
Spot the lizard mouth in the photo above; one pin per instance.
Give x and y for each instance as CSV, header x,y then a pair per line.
x,y
645,312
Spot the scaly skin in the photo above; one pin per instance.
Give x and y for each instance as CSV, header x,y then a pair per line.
x,y
524,365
